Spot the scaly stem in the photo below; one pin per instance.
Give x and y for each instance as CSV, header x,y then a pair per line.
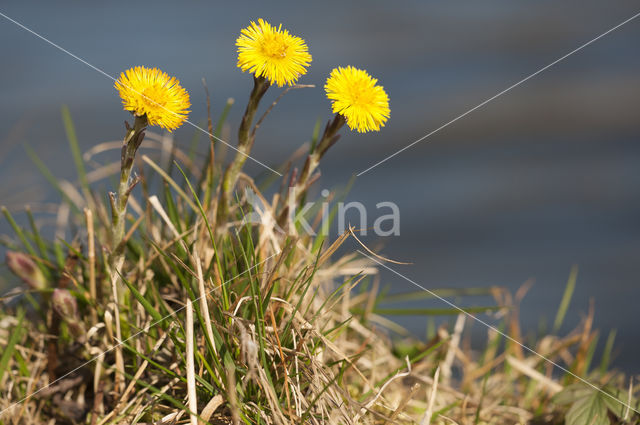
x,y
328,139
245,143
130,146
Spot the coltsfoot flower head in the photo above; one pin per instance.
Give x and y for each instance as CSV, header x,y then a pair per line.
x,y
154,93
355,95
273,53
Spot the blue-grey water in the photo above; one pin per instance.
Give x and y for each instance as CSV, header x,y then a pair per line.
x,y
544,177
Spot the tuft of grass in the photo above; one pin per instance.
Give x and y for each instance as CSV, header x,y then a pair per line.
x,y
249,322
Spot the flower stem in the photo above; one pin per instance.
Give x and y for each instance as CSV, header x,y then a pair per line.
x,y
329,138
130,146
245,143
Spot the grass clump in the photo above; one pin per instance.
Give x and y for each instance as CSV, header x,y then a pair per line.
x,y
178,301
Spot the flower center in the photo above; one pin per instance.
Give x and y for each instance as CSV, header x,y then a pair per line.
x,y
360,94
274,48
154,96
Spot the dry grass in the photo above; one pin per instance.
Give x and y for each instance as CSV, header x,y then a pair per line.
x,y
243,323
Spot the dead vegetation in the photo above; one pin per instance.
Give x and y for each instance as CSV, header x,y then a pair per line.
x,y
253,321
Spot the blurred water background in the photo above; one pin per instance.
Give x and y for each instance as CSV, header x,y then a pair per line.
x,y
542,178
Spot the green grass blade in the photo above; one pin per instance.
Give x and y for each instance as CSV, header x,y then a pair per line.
x,y
75,148
443,292
566,298
195,141
169,180
315,135
18,231
7,351
207,173
429,311
203,214
42,246
157,317
606,353
57,250
46,173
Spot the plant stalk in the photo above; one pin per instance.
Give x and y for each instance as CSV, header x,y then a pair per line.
x,y
130,146
329,137
245,143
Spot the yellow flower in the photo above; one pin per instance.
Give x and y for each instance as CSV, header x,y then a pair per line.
x,y
273,53
355,96
154,93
